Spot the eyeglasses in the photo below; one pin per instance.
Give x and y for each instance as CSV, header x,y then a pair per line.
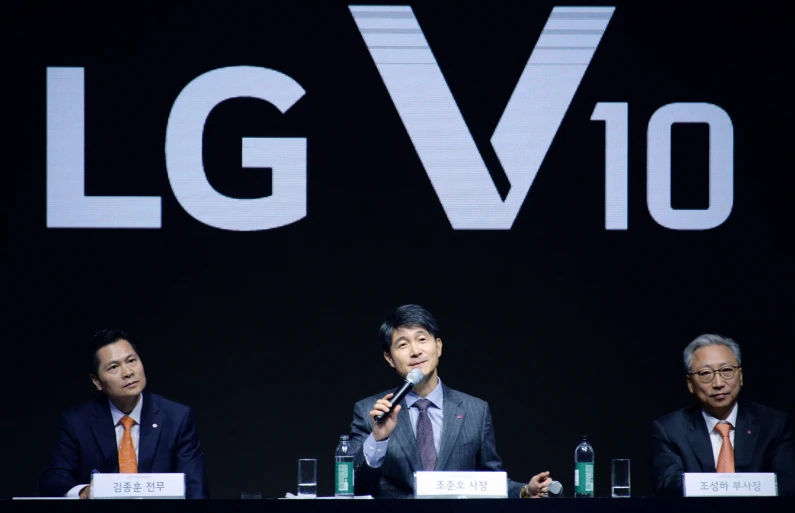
x,y
707,375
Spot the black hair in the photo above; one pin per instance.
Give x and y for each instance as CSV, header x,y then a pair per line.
x,y
101,339
406,316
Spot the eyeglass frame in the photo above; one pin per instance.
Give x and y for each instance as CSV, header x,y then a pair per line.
x,y
716,372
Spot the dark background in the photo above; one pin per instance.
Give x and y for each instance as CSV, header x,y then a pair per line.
x,y
564,327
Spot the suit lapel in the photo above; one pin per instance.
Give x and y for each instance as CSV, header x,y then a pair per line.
x,y
151,426
745,435
404,436
105,433
451,426
698,438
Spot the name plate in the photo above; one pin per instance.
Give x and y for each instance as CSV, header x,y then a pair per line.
x,y
137,486
462,485
747,484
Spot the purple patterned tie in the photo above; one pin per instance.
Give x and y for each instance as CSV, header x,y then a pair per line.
x,y
425,435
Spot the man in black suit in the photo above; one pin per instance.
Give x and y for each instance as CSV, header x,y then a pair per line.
x,y
124,429
433,428
720,434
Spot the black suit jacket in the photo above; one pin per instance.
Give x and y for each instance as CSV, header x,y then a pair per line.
x,y
763,442
87,443
467,444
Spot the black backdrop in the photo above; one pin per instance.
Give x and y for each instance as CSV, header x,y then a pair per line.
x,y
563,326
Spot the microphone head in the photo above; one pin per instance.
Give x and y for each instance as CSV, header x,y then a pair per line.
x,y
555,488
415,376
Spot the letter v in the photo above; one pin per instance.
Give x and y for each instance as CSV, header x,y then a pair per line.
x,y
435,124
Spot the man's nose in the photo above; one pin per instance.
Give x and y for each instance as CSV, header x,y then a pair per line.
x,y
416,350
127,371
718,382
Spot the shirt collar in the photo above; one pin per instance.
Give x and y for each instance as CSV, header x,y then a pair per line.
x,y
712,421
117,414
436,397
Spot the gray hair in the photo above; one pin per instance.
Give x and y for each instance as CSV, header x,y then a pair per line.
x,y
710,340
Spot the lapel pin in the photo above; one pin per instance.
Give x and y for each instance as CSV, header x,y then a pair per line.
x,y
460,416
155,425
749,431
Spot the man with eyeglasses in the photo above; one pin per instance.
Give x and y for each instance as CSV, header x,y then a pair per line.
x,y
719,434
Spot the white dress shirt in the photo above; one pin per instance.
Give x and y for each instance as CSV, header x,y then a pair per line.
x,y
714,436
135,432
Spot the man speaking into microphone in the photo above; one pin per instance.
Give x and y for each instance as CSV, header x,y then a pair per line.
x,y
433,428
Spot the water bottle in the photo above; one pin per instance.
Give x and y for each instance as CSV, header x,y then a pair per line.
x,y
343,469
583,469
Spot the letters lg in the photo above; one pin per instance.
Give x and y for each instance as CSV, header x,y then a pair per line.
x,y
69,207
432,119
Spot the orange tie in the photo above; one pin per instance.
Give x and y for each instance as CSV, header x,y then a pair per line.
x,y
128,463
726,454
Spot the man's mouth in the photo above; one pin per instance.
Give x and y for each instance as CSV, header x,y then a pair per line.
x,y
130,384
720,396
413,365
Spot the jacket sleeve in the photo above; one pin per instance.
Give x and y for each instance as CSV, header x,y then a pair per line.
x,y
61,475
784,458
190,459
488,459
365,477
666,464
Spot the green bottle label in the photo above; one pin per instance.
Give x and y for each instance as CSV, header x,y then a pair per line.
x,y
583,478
343,477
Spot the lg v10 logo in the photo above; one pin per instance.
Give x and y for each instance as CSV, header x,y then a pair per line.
x,y
530,121
434,123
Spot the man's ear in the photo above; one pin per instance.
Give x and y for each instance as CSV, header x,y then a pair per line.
x,y
439,347
96,382
388,358
689,383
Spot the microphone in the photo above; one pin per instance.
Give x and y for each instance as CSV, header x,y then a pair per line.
x,y
412,379
555,489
